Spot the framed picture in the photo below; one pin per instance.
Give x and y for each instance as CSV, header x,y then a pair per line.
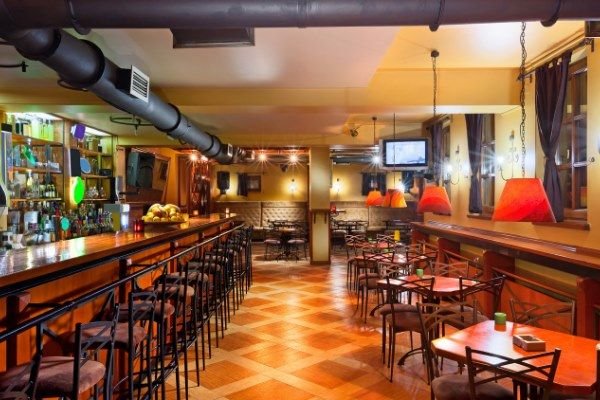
x,y
254,183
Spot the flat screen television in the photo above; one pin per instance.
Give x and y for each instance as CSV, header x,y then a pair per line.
x,y
406,154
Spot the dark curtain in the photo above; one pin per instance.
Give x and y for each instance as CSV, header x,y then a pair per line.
x,y
474,137
438,151
372,181
242,189
550,94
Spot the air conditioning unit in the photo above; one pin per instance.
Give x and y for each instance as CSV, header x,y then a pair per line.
x,y
134,82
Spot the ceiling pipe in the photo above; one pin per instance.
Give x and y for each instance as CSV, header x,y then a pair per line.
x,y
82,64
85,14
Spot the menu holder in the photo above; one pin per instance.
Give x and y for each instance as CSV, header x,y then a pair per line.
x,y
529,343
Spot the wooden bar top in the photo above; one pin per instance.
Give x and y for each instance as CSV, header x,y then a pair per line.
x,y
35,261
578,260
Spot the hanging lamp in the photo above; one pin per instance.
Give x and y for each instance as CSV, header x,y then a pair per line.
x,y
434,198
394,198
374,198
523,199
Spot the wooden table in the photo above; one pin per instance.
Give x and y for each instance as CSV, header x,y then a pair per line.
x,y
576,373
443,286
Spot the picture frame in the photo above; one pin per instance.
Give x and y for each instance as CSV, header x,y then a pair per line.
x,y
254,183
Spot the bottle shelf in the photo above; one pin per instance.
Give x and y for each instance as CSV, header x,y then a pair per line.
x,y
38,170
21,139
87,152
92,176
37,199
96,199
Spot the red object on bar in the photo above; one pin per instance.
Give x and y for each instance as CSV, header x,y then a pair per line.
x,y
523,200
374,198
394,199
435,199
332,209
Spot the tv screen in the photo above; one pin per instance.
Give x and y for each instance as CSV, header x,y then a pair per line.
x,y
407,154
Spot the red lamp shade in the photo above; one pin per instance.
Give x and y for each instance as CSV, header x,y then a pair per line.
x,y
374,198
523,200
434,199
394,199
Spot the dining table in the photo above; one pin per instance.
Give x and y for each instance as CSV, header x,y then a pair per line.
x,y
576,373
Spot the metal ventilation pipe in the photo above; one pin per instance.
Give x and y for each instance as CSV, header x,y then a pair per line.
x,y
82,64
26,14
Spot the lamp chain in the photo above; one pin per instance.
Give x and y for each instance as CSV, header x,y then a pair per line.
x,y
434,55
522,73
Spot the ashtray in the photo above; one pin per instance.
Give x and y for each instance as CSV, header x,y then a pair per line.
x,y
529,343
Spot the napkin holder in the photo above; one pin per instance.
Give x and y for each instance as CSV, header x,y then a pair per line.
x,y
529,343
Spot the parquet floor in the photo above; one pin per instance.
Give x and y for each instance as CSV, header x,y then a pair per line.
x,y
297,337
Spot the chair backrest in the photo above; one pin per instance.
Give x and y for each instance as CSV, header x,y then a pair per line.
x,y
536,369
88,347
474,269
493,287
452,270
434,317
557,316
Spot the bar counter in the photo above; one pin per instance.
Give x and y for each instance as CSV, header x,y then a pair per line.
x,y
22,267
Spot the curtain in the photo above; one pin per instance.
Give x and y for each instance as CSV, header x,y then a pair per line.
x,y
242,189
550,95
366,183
474,137
381,182
438,151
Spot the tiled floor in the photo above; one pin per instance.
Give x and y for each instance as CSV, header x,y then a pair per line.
x,y
296,337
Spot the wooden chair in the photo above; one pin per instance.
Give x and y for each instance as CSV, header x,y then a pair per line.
x,y
556,316
535,371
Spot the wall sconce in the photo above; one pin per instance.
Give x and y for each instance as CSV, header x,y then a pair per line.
x,y
193,157
293,158
337,186
293,186
262,157
513,158
448,169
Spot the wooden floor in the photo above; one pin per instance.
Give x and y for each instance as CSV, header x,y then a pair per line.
x,y
297,337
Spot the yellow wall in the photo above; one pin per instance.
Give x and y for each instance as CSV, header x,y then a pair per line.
x,y
275,184
509,121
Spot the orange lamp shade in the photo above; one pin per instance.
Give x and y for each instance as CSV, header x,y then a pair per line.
x,y
435,199
374,198
523,200
393,198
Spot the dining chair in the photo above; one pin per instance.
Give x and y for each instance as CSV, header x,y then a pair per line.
x,y
405,318
557,316
367,279
272,241
354,245
535,371
472,289
433,317
474,269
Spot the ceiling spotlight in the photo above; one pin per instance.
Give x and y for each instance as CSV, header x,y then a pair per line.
x,y
193,157
262,157
204,159
376,159
293,158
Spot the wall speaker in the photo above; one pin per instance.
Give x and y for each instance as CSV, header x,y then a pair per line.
x,y
223,181
592,29
75,162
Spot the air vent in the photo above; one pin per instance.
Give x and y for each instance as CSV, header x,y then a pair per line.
x,y
134,82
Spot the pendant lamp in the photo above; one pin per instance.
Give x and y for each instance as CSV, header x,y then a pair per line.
x,y
394,198
435,199
523,199
374,198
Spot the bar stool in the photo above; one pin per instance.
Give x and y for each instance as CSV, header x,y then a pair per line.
x,y
20,383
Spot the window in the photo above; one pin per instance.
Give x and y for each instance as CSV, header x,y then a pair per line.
x,y
571,155
487,178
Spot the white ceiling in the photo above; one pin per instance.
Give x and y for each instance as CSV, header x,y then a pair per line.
x,y
295,86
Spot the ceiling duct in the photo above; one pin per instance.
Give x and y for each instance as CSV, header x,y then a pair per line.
x,y
208,14
192,38
82,64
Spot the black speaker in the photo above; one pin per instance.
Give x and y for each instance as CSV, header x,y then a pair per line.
x,y
133,159
145,171
75,162
223,181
